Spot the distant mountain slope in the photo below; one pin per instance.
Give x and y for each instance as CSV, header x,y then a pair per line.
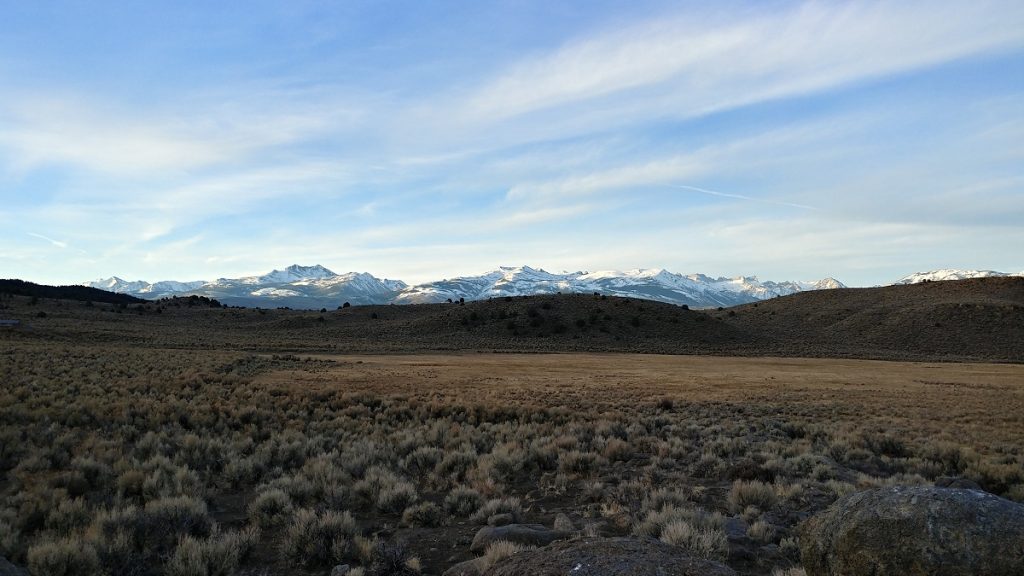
x,y
314,287
949,274
306,287
82,293
695,290
974,318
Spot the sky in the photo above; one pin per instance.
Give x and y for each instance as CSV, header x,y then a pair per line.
x,y
424,140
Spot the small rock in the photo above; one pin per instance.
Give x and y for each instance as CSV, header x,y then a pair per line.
x,y
956,482
607,557
467,568
8,569
503,519
525,534
341,570
915,530
563,523
735,528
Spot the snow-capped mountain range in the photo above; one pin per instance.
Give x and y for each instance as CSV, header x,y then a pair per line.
x,y
696,290
947,274
313,287
295,287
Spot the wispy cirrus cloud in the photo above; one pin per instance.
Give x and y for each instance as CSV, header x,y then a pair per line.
x,y
53,242
688,66
669,135
75,131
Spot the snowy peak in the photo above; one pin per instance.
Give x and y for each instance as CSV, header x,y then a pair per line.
x,y
295,286
695,290
827,284
952,274
119,286
316,287
293,273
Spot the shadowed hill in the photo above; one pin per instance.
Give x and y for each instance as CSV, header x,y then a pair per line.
x,y
981,319
81,293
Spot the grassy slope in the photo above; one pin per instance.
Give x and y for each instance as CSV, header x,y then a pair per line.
x,y
963,320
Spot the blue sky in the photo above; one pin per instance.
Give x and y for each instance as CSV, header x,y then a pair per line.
x,y
423,140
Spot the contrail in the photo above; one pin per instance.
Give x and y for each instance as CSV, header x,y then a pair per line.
x,y
56,243
740,197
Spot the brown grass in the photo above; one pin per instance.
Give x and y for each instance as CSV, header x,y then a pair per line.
x,y
146,461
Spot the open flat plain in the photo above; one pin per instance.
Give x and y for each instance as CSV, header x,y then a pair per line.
x,y
195,441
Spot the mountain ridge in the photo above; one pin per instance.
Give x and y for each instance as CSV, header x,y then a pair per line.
x,y
312,287
954,274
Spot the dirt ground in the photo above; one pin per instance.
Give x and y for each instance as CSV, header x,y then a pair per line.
x,y
932,395
415,452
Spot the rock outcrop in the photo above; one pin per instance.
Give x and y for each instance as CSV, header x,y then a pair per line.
x,y
525,534
8,569
905,530
607,557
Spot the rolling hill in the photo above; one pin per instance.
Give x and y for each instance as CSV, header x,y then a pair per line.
x,y
976,319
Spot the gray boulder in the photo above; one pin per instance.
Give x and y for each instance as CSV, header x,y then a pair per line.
x,y
526,534
956,482
503,519
915,531
607,557
467,568
564,523
8,569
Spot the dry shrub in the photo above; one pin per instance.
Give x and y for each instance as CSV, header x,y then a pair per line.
x,y
396,497
423,514
665,497
702,542
709,465
68,516
499,551
751,493
319,539
64,557
366,548
761,531
498,506
790,547
1016,492
616,450
386,490
422,460
577,462
165,521
455,464
218,555
270,508
462,501
395,559
702,525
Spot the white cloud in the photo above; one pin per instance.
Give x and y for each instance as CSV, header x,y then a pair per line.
x,y
687,67
71,130
56,243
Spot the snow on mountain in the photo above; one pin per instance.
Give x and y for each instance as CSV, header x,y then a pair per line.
x,y
695,290
275,292
317,287
170,287
294,287
951,274
293,273
117,285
